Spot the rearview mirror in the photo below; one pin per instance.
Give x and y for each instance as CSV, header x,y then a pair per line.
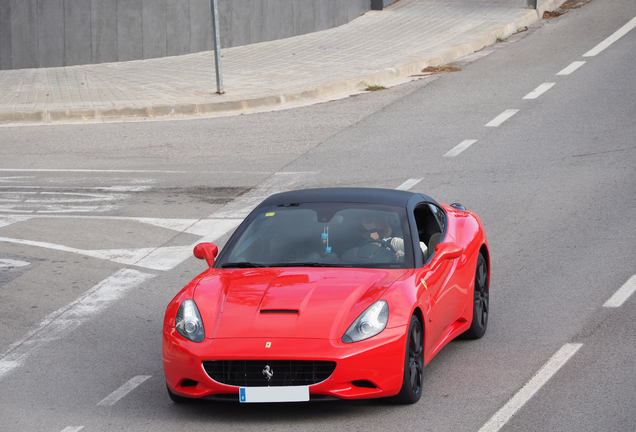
x,y
446,251
207,251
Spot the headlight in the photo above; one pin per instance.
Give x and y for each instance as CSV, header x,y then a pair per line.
x,y
370,323
189,323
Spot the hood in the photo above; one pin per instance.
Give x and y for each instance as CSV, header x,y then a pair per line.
x,y
288,302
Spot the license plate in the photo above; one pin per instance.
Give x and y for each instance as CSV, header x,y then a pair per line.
x,y
274,394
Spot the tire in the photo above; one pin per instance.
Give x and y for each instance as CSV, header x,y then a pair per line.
x,y
481,301
176,398
413,365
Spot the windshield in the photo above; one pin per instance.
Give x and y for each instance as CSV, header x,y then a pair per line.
x,y
321,235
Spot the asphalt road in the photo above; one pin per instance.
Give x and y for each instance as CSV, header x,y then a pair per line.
x,y
97,223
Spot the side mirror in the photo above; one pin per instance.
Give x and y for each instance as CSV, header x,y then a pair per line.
x,y
207,251
446,251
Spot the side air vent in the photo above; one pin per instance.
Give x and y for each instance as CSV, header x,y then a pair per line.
x,y
189,383
364,384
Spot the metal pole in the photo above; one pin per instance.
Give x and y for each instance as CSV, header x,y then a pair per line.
x,y
217,46
532,4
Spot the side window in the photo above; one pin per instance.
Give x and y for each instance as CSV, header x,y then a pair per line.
x,y
430,222
439,215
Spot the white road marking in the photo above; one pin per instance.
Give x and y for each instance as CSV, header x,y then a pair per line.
x,y
122,171
408,184
45,201
539,91
14,179
87,171
497,121
122,391
571,68
243,205
6,220
56,197
92,188
159,258
548,370
613,38
9,264
622,294
460,148
71,316
73,429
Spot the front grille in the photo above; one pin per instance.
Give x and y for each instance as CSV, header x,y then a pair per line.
x,y
250,373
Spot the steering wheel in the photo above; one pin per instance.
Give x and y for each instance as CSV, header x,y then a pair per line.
x,y
381,243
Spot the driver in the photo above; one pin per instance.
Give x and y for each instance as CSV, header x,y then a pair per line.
x,y
379,229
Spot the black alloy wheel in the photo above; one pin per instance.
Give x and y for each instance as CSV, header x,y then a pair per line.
x,y
481,305
413,365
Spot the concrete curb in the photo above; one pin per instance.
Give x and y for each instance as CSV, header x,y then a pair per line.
x,y
323,93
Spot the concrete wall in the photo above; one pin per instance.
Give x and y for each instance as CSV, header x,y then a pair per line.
x,y
381,4
49,33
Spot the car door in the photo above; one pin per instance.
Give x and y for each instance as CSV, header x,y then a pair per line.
x,y
444,296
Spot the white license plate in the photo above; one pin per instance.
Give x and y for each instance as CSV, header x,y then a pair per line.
x,y
274,394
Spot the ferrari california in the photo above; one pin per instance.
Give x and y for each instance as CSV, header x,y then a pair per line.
x,y
339,293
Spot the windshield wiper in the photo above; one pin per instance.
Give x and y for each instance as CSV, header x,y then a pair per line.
x,y
242,264
308,264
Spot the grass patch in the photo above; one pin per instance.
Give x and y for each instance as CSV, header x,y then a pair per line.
x,y
440,69
375,87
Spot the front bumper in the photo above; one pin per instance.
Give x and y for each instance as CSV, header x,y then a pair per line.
x,y
367,369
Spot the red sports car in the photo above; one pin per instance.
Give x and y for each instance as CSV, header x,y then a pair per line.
x,y
328,293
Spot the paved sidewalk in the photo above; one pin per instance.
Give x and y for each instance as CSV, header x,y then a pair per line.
x,y
380,48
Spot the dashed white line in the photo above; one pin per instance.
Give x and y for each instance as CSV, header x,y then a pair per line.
x,y
539,91
73,429
408,184
613,38
497,121
122,391
571,68
548,370
460,148
622,294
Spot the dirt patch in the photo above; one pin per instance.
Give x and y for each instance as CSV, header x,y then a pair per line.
x,y
210,195
565,7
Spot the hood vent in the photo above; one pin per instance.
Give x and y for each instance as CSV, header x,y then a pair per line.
x,y
280,311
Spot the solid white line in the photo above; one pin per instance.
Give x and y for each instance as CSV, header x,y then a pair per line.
x,y
539,91
460,148
622,294
122,391
71,316
73,429
497,121
571,68
613,38
408,184
548,370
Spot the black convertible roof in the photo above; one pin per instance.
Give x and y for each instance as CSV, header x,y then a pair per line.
x,y
346,194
